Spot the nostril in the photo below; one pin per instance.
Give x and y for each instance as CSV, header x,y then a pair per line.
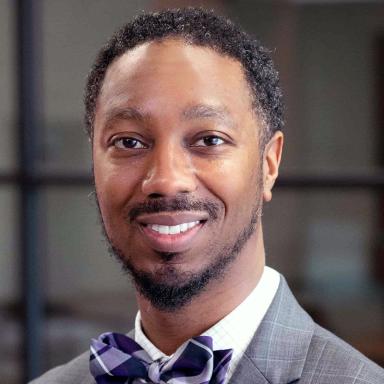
x,y
155,195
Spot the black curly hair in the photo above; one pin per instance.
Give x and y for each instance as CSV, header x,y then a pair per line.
x,y
203,28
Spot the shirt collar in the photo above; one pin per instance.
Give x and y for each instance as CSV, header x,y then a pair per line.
x,y
234,331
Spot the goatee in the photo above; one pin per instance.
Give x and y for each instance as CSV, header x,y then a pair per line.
x,y
169,289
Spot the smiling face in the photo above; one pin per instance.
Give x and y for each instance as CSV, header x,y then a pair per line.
x,y
178,169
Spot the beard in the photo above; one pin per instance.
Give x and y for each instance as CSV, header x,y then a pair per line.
x,y
167,288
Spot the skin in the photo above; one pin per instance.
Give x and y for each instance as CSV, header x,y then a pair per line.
x,y
160,105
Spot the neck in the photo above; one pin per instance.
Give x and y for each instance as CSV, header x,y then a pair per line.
x,y
164,328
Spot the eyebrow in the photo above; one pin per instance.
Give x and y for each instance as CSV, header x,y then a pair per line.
x,y
126,113
204,111
198,111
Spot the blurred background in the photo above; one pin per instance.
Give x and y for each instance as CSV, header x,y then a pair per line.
x,y
324,228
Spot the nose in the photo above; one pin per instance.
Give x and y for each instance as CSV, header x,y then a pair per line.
x,y
170,172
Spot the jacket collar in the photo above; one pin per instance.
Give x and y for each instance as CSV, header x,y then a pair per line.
x,y
278,351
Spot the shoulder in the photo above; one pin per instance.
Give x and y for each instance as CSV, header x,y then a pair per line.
x,y
304,351
76,371
331,360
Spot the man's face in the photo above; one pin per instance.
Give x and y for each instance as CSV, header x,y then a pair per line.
x,y
177,165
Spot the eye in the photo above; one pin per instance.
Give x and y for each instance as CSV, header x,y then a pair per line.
x,y
128,143
209,141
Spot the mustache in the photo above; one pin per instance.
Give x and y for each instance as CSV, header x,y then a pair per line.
x,y
174,205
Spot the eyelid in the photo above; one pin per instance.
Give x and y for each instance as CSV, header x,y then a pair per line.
x,y
115,138
208,136
220,135
124,135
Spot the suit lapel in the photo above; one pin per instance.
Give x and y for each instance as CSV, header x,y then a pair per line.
x,y
278,351
247,373
88,380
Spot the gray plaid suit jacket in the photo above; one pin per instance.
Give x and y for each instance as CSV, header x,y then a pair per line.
x,y
288,347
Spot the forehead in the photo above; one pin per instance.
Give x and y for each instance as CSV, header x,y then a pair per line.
x,y
170,74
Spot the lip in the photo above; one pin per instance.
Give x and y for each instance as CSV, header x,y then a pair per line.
x,y
174,243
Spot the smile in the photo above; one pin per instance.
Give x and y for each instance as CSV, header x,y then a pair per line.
x,y
173,229
172,232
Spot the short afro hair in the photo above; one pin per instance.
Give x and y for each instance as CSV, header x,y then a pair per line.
x,y
202,28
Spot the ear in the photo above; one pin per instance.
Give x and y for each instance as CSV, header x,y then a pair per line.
x,y
271,162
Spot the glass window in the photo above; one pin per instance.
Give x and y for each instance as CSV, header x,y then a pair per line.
x,y
327,243
86,289
7,96
10,364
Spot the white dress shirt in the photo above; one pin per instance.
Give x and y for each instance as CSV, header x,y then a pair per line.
x,y
234,331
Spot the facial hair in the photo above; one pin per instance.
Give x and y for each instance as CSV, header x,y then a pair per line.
x,y
167,288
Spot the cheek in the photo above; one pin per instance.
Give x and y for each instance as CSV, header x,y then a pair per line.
x,y
235,181
114,186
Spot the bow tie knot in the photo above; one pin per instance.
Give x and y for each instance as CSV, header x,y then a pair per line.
x,y
116,358
154,372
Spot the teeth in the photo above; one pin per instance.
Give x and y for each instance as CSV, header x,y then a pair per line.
x,y
173,229
164,229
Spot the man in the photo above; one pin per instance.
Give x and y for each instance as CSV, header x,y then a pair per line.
x,y
184,113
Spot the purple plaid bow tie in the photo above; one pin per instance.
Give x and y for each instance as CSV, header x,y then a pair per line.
x,y
116,358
